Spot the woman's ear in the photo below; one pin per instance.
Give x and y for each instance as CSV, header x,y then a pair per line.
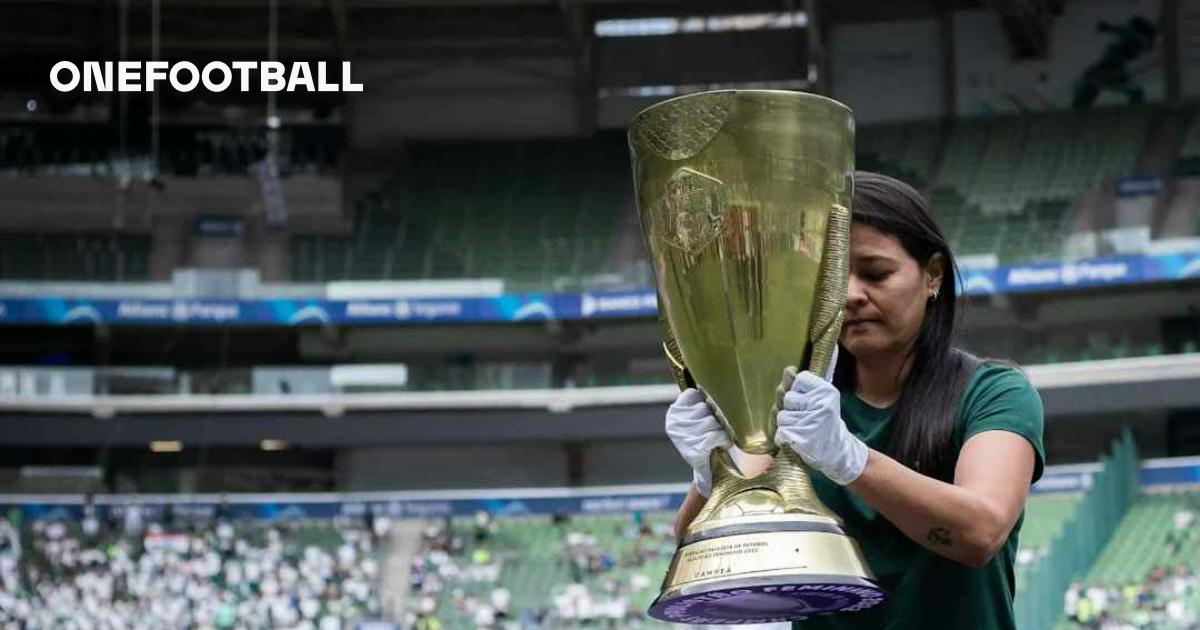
x,y
934,269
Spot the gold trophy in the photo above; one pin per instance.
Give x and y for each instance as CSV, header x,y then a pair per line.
x,y
744,200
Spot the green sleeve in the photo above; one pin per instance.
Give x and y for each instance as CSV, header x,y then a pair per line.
x,y
1000,398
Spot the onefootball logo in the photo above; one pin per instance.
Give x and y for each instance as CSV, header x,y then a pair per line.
x,y
185,76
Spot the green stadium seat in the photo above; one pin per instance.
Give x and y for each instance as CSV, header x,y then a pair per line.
x,y
527,212
1143,540
534,567
86,257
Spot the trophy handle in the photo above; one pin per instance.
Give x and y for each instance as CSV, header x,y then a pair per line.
x,y
683,378
828,310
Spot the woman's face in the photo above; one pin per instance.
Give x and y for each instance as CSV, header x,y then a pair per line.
x,y
888,294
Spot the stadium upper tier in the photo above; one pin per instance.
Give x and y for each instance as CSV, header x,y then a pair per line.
x,y
528,212
95,149
81,257
544,213
1189,153
1008,185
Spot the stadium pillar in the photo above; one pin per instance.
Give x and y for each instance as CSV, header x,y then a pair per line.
x,y
818,44
169,236
1183,433
1169,23
580,34
575,458
949,76
102,352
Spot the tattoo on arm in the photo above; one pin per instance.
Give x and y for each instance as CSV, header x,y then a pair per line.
x,y
939,536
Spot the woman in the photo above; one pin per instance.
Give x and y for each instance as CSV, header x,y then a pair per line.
x,y
926,452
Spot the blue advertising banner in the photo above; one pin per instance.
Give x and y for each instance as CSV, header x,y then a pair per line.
x,y
219,226
1069,274
1173,266
298,507
290,312
619,303
532,306
1139,186
1089,272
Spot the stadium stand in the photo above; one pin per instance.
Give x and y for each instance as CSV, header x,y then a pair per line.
x,y
1080,539
1189,152
551,572
272,562
1149,572
151,574
524,211
92,149
560,571
905,150
64,256
1003,185
1006,185
1100,347
1047,156
544,210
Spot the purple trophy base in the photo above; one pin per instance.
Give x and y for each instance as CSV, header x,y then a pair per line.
x,y
766,600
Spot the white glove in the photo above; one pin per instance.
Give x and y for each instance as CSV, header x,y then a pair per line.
x,y
832,364
811,424
695,432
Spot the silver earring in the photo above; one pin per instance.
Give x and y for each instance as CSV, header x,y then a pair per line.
x,y
933,296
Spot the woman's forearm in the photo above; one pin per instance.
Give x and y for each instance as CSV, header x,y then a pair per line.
x,y
692,504
949,520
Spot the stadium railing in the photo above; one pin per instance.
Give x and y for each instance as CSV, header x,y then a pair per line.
x,y
1080,541
23,389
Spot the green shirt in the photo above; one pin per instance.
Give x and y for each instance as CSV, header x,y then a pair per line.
x,y
926,590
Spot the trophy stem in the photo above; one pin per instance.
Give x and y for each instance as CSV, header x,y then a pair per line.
x,y
787,478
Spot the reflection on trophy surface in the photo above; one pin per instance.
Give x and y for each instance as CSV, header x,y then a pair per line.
x,y
744,203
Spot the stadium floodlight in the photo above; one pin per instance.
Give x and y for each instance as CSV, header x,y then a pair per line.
x,y
166,446
668,90
658,26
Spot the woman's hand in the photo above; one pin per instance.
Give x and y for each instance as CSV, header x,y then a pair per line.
x,y
695,432
810,422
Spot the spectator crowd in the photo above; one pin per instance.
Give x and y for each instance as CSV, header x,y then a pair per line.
x,y
1167,598
143,573
469,575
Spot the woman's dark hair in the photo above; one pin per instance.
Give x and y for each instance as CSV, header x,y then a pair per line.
x,y
923,418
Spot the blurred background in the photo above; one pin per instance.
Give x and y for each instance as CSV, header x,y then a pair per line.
x,y
390,359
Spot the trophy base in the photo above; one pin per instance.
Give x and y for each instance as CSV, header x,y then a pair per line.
x,y
780,567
